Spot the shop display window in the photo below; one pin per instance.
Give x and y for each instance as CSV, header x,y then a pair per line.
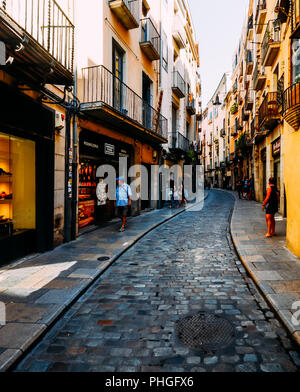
x,y
17,185
87,192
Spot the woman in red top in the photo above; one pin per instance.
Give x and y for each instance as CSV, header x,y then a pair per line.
x,y
271,205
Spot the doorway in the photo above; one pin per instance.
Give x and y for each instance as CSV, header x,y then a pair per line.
x,y
147,101
118,59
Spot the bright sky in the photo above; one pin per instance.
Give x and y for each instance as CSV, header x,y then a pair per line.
x,y
218,25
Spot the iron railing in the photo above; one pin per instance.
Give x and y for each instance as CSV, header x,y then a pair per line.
x,y
258,71
150,34
261,5
272,35
291,98
46,23
101,85
249,57
178,82
269,108
180,142
133,6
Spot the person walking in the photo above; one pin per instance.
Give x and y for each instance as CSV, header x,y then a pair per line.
x,y
123,201
271,206
239,187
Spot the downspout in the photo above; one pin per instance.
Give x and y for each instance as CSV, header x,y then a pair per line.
x,y
74,168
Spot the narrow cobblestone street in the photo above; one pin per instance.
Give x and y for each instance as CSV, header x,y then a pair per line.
x,y
126,321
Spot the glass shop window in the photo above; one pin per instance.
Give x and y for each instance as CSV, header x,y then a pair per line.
x,y
17,185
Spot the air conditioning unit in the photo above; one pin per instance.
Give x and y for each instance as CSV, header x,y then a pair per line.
x,y
59,121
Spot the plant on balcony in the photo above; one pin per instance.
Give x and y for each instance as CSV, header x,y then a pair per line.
x,y
269,36
234,108
241,146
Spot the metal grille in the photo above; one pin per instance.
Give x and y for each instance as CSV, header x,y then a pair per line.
x,y
204,331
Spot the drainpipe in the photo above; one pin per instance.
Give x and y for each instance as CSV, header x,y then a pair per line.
x,y
67,225
74,169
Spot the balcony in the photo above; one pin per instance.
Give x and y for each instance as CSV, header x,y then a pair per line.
x,y
271,43
127,11
261,14
178,32
259,78
245,114
40,38
249,100
190,105
269,113
150,40
107,98
180,142
249,63
178,87
250,28
291,106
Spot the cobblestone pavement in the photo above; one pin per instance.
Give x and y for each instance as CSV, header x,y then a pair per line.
x,y
126,321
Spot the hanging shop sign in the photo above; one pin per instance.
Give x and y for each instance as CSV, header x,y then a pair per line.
x,y
109,149
276,147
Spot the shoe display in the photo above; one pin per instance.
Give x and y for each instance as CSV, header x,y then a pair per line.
x,y
4,173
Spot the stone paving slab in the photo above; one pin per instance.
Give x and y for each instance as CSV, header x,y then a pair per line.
x,y
273,267
36,291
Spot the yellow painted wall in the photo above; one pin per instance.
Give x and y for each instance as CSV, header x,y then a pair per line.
x,y
292,182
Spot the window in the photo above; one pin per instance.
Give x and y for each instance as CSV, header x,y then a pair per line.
x,y
17,185
296,60
165,50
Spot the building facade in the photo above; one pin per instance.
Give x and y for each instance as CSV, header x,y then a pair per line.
x,y
92,87
263,106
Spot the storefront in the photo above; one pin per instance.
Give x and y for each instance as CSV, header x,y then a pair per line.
x,y
96,150
26,176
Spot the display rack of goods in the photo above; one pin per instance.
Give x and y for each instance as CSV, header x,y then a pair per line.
x,y
86,211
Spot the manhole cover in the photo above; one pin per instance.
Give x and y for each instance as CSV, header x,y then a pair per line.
x,y
204,331
103,258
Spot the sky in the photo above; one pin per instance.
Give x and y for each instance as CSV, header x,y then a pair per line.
x,y
218,25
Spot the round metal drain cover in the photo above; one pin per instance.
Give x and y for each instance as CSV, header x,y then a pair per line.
x,y
103,258
204,331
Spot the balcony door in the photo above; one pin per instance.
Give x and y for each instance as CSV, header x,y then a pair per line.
x,y
147,112
118,60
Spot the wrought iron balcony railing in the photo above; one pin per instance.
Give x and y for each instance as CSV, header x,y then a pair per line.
x,y
178,84
127,11
269,111
271,41
150,39
190,105
180,142
46,23
259,77
101,86
291,105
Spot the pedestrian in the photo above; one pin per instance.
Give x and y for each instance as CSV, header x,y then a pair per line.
x,y
123,201
246,188
239,187
251,189
271,206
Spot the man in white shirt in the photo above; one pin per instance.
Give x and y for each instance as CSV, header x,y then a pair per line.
x,y
123,201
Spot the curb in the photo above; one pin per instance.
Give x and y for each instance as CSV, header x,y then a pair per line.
x,y
294,335
18,355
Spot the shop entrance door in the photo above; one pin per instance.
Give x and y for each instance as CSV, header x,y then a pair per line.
x,y
147,203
